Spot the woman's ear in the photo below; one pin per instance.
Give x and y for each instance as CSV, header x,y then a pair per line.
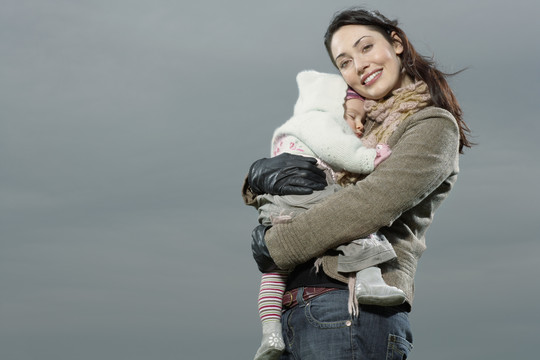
x,y
396,43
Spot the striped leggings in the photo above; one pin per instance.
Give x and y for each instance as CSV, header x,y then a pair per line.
x,y
271,296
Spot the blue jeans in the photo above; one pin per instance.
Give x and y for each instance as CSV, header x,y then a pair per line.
x,y
322,328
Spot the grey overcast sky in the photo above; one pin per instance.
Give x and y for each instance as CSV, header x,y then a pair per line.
x,y
127,127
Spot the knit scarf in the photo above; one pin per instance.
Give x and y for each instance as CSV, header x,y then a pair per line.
x,y
389,113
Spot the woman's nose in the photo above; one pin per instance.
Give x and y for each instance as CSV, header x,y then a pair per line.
x,y
360,64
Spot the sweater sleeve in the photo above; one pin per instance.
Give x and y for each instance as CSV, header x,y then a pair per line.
x,y
329,141
422,158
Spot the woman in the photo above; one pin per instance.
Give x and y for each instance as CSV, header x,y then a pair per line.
x,y
414,111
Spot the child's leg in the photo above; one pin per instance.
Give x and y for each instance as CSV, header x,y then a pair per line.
x,y
361,257
372,290
362,253
270,305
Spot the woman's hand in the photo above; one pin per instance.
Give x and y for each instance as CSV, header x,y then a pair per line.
x,y
260,251
286,174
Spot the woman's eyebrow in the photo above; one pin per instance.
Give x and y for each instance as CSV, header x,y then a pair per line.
x,y
358,41
354,45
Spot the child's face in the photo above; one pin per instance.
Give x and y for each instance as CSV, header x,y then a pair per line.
x,y
355,115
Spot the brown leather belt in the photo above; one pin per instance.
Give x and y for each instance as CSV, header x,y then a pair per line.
x,y
290,301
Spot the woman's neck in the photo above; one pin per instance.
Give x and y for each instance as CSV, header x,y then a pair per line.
x,y
405,80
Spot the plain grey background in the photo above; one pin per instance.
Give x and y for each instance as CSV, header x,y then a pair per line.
x,y
127,127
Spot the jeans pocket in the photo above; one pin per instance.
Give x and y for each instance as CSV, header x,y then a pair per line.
x,y
398,348
322,312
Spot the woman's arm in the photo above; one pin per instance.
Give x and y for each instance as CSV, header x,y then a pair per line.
x,y
424,154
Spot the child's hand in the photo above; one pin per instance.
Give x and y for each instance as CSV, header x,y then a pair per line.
x,y
383,152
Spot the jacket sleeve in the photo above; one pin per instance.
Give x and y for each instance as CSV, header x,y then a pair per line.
x,y
248,196
422,158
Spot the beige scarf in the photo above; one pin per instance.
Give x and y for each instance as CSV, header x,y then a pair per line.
x,y
389,113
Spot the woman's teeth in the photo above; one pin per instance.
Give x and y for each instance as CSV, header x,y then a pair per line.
x,y
372,76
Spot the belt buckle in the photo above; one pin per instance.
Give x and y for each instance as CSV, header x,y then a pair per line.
x,y
288,293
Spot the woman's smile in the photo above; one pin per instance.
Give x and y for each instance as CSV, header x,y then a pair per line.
x,y
370,78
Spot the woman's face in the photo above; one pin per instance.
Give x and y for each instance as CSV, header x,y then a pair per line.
x,y
367,61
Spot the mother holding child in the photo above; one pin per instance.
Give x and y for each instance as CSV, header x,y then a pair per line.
x,y
339,260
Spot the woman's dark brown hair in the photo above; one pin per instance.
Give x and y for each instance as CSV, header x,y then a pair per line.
x,y
416,66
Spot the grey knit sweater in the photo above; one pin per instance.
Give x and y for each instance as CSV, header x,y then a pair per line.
x,y
399,198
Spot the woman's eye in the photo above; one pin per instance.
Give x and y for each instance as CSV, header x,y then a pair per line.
x,y
344,64
367,47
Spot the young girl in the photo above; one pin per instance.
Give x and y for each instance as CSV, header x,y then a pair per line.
x,y
318,129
